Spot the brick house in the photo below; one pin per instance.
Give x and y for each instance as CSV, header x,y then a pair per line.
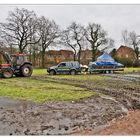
x,y
125,52
58,56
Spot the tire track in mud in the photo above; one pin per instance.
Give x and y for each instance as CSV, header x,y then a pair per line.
x,y
126,95
90,114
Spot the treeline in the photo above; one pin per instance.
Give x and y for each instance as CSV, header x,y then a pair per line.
x,y
25,32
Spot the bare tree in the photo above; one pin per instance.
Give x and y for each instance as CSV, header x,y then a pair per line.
x,y
66,39
125,37
134,41
131,39
20,27
96,36
49,32
110,44
74,37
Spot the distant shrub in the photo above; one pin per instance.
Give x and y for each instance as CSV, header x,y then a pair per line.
x,y
136,63
126,62
50,63
85,61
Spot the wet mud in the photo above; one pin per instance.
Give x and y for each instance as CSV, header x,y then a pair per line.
x,y
83,117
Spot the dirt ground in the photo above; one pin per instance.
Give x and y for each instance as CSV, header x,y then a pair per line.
x,y
105,114
62,118
128,125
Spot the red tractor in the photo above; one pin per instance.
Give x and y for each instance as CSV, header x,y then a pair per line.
x,y
16,64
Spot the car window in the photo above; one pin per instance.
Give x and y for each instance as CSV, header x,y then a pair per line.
x,y
62,65
72,64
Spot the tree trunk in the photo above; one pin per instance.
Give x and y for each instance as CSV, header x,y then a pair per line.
x,y
21,50
137,54
93,53
30,56
43,58
34,58
74,55
79,55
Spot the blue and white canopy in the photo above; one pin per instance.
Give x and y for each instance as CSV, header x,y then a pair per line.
x,y
105,58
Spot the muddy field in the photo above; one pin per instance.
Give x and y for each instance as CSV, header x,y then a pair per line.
x,y
87,116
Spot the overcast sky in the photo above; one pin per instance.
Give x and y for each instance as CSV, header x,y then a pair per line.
x,y
113,18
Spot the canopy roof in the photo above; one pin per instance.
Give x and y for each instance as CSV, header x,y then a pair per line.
x,y
105,57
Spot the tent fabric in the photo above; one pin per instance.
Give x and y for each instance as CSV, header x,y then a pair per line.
x,y
106,60
113,63
106,63
105,57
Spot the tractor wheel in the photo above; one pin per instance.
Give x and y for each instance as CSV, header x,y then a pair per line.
x,y
26,70
8,74
72,72
52,72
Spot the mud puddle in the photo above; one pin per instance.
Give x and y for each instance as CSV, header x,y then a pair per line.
x,y
56,118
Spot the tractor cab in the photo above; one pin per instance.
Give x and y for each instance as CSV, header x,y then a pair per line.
x,y
19,59
21,65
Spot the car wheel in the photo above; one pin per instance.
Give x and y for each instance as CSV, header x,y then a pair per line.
x,y
52,72
72,72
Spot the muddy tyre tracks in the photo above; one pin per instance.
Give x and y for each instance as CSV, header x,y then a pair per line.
x,y
125,93
113,99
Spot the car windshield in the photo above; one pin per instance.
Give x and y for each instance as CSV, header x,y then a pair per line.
x,y
62,65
